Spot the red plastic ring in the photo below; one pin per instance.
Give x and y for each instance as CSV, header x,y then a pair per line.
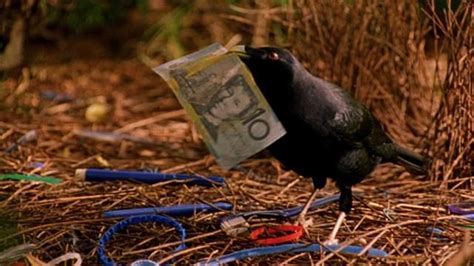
x,y
297,233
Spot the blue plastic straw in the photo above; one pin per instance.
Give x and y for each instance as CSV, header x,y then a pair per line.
x,y
289,248
176,210
100,175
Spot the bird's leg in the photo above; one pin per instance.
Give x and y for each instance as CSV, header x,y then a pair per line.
x,y
302,215
332,237
345,206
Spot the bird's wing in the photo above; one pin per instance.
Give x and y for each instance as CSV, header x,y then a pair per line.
x,y
351,125
338,115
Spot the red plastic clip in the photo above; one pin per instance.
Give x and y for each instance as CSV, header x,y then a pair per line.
x,y
297,233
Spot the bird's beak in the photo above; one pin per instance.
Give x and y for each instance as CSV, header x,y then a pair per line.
x,y
240,50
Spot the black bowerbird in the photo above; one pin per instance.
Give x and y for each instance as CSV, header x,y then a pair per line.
x,y
329,133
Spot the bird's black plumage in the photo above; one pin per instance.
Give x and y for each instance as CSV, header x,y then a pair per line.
x,y
329,133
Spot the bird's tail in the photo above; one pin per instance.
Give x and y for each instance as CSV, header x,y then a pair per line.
x,y
410,159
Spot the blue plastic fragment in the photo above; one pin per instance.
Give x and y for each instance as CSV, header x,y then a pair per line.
x,y
55,96
435,230
36,165
469,216
144,263
27,137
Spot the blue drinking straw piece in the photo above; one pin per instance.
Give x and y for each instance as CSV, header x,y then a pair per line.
x,y
289,248
100,175
176,210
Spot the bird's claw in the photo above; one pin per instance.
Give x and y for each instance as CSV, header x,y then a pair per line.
x,y
304,223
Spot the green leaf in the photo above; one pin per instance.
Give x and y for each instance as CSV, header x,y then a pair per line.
x,y
33,178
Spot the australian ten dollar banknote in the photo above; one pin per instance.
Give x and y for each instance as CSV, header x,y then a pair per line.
x,y
219,94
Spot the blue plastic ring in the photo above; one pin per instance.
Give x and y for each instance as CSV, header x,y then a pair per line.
x,y
104,260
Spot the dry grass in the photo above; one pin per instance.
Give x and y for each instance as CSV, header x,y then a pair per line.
x,y
453,128
378,57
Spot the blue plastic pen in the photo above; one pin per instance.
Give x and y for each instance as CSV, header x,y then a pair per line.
x,y
100,175
176,210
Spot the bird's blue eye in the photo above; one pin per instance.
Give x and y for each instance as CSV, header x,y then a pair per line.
x,y
273,56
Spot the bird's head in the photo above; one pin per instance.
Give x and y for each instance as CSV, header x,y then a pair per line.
x,y
270,66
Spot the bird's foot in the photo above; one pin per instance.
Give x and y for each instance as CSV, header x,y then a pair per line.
x,y
330,242
302,216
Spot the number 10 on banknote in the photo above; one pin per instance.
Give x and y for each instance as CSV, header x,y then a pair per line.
x,y
219,94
